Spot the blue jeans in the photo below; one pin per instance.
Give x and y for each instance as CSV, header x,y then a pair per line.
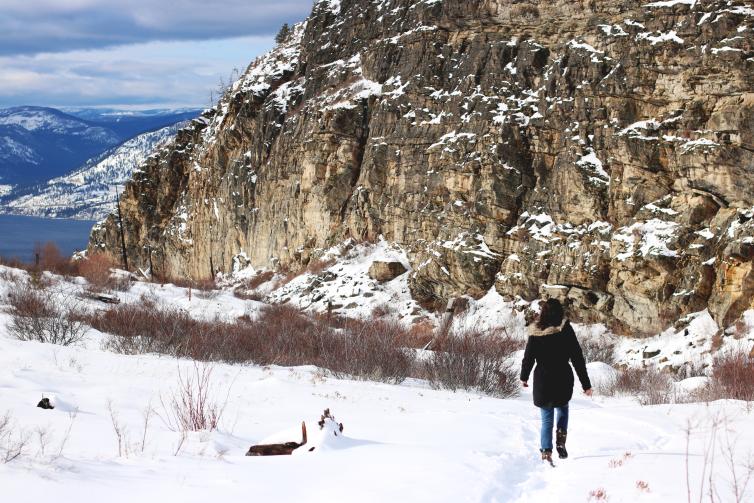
x,y
548,414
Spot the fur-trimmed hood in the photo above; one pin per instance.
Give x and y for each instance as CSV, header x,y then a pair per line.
x,y
535,331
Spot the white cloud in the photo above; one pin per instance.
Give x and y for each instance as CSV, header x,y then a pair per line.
x,y
32,26
150,74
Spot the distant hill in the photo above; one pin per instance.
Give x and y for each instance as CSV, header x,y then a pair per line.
x,y
39,143
87,193
131,123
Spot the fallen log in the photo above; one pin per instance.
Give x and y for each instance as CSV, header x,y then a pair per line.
x,y
103,297
278,449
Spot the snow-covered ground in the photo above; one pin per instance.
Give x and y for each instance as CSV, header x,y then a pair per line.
x,y
403,442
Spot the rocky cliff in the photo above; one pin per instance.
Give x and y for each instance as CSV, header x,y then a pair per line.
x,y
598,151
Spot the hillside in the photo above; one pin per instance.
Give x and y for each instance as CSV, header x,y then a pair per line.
x,y
38,144
88,193
599,152
110,434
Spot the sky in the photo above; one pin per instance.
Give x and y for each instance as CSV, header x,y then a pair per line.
x,y
131,53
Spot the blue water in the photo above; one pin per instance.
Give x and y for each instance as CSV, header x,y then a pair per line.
x,y
18,235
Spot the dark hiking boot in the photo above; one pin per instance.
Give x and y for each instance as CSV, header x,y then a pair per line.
x,y
560,441
546,455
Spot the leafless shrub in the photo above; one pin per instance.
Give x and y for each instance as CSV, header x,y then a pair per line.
x,y
317,265
119,429
719,442
96,269
732,377
526,11
192,407
146,416
474,361
733,373
368,350
47,257
598,349
258,280
13,441
418,336
67,434
36,316
374,349
147,328
43,438
647,384
50,258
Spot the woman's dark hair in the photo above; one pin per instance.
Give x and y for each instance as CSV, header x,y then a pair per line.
x,y
551,314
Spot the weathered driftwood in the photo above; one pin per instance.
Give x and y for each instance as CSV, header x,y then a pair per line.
x,y
278,449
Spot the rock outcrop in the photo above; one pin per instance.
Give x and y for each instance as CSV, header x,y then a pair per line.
x,y
385,271
599,151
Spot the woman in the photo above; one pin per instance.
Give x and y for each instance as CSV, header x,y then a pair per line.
x,y
552,345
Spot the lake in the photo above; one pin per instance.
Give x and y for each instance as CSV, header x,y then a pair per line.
x,y
18,234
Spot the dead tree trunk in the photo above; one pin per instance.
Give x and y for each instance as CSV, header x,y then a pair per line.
x,y
278,449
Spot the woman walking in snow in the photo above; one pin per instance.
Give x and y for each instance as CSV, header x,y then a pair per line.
x,y
552,344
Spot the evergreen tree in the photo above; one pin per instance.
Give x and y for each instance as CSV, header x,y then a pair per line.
x,y
285,30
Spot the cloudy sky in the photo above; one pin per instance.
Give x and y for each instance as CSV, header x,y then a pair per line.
x,y
131,53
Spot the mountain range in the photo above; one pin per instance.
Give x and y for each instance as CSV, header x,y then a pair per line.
x,y
48,157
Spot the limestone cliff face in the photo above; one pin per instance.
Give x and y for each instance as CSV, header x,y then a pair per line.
x,y
599,151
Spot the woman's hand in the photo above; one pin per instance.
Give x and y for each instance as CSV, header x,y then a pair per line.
x,y
588,392
525,384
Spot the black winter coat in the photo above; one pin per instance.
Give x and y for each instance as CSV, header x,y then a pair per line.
x,y
552,349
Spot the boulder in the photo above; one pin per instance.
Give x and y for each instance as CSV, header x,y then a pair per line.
x,y
385,271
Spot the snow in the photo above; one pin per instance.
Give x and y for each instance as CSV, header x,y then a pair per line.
x,y
400,442
690,345
671,3
634,130
5,189
35,119
333,6
591,162
652,237
671,36
11,149
351,291
701,144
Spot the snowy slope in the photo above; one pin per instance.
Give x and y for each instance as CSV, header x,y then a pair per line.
x,y
89,192
400,443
